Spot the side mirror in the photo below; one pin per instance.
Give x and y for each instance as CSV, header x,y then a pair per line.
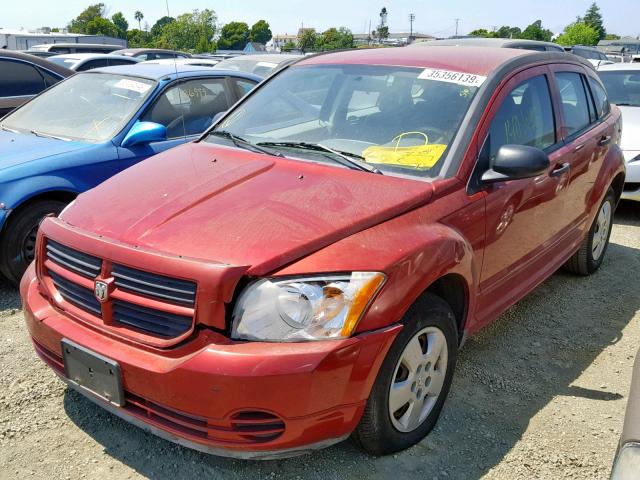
x,y
145,132
514,162
218,116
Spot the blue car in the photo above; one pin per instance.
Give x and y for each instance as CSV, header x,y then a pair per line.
x,y
91,126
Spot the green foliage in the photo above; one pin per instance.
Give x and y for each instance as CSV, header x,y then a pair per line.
x,y
536,32
138,16
307,39
508,32
55,30
156,30
234,36
190,31
611,36
579,33
482,32
334,39
101,26
79,24
139,39
260,32
593,18
121,24
288,46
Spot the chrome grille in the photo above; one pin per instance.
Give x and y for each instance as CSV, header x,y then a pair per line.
x,y
155,286
81,263
79,296
150,320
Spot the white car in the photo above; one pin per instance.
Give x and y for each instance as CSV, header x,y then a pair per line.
x,y
261,64
81,62
199,62
622,81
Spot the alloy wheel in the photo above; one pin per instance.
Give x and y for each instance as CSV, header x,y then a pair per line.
x,y
601,232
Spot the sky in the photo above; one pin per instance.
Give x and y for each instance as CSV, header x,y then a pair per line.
x,y
286,16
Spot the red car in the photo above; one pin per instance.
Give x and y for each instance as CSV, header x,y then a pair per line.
x,y
309,268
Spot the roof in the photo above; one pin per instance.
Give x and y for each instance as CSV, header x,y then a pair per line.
x,y
476,60
156,71
87,56
489,42
134,51
41,62
619,67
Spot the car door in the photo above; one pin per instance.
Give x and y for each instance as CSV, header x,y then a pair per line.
x,y
522,221
19,81
186,108
585,134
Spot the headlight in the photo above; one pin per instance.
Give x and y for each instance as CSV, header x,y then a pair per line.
x,y
299,309
627,465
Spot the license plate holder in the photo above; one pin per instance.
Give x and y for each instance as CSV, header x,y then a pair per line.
x,y
88,370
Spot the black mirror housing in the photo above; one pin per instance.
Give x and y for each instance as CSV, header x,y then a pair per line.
x,y
515,162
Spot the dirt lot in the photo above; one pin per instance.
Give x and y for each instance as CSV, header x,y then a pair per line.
x,y
539,394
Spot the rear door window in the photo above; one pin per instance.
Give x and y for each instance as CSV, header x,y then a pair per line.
x,y
19,79
600,98
575,103
524,118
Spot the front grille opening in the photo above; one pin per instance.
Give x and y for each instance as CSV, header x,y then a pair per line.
x,y
182,292
75,294
149,320
257,426
83,264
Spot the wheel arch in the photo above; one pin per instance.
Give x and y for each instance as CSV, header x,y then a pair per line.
x,y
453,289
59,194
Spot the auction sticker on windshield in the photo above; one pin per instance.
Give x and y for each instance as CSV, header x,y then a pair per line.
x,y
132,85
467,79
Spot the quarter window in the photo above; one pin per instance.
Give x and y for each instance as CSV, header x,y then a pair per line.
x,y
524,118
600,97
575,105
19,79
188,108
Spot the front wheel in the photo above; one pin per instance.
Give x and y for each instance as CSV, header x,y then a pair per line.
x,y
18,241
413,381
589,256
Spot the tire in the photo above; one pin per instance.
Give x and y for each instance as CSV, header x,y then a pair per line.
x,y
430,321
17,242
589,256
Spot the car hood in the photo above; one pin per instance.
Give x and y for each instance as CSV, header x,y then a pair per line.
x,y
238,207
18,148
630,128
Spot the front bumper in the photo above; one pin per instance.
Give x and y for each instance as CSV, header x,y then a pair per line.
x,y
239,399
632,180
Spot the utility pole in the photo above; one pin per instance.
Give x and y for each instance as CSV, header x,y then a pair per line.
x,y
457,21
412,17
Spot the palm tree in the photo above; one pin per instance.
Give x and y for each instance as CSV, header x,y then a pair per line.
x,y
138,16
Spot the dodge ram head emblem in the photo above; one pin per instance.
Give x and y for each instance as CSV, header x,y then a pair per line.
x,y
101,291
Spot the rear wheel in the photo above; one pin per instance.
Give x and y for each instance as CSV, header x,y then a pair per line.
x,y
18,241
413,381
589,256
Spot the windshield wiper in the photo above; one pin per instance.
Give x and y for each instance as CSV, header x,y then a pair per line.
x,y
7,129
47,135
242,143
348,160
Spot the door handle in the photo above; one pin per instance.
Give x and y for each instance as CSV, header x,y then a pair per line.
x,y
604,140
578,148
560,169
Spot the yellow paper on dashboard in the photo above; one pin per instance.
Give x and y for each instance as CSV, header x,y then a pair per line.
x,y
419,156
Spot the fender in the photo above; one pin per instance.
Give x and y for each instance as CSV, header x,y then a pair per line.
x,y
612,166
411,250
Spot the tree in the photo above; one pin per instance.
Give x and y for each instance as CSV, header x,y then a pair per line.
x,y
138,16
121,24
260,32
482,32
593,18
334,39
101,26
578,33
288,46
536,32
156,30
190,31
608,36
508,32
138,39
234,36
79,24
307,38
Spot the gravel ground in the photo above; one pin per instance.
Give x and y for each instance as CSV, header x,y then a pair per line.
x,y
538,394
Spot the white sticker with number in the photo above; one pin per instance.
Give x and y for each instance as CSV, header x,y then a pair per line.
x,y
467,79
132,85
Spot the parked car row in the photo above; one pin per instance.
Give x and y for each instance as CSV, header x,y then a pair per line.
x,y
333,237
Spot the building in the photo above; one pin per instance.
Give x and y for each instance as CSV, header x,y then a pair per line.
x,y
20,39
278,41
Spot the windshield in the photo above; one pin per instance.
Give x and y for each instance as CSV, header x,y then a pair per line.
x,y
623,87
395,119
88,107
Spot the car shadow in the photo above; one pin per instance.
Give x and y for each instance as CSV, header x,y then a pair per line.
x,y
505,376
627,213
9,296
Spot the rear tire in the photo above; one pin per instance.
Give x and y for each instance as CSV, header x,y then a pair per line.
x,y
589,256
17,242
407,397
